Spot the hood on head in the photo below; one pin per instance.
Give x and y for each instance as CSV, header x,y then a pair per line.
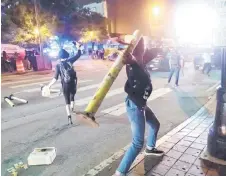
x,y
63,54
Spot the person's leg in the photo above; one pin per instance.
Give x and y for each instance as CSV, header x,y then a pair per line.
x,y
154,126
177,76
72,99
7,66
72,94
170,74
137,121
204,68
208,69
66,92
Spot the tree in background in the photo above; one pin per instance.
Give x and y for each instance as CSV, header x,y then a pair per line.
x,y
26,21
21,15
75,21
64,18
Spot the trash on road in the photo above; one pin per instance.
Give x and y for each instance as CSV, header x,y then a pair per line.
x,y
11,97
42,156
9,101
46,92
14,171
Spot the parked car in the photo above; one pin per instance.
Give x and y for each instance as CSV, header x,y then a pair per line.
x,y
160,63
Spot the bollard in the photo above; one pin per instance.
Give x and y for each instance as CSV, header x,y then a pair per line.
x,y
11,97
9,101
216,145
94,104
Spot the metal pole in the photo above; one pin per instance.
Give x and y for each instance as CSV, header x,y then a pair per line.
x,y
38,27
94,104
216,145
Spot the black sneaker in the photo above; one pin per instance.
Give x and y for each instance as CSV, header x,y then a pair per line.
x,y
69,120
154,151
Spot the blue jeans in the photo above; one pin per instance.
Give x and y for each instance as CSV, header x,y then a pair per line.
x,y
137,120
172,70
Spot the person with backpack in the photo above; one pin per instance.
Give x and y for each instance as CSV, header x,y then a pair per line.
x,y
65,70
138,88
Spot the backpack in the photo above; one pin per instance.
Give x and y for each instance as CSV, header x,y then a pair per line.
x,y
66,70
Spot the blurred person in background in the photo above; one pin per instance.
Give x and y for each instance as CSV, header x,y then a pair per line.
x,y
175,65
102,53
7,62
207,63
13,60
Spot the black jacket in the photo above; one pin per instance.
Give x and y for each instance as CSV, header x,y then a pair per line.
x,y
71,61
138,86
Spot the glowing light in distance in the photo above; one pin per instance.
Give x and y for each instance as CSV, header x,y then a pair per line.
x,y
156,11
194,24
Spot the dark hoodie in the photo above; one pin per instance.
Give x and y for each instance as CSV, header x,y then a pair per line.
x,y
67,64
138,86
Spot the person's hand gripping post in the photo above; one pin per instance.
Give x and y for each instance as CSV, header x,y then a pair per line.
x,y
88,115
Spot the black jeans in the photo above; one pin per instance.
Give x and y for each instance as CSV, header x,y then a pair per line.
x,y
69,91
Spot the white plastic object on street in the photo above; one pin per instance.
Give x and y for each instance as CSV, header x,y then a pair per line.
x,y
55,90
42,156
45,91
9,101
19,99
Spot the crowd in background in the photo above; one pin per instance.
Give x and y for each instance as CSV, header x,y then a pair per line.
x,y
8,62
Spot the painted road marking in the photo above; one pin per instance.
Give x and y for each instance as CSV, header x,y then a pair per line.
x,y
58,85
88,87
20,77
27,80
121,109
39,83
84,101
81,89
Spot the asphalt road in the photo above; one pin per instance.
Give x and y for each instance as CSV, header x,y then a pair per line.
x,y
43,121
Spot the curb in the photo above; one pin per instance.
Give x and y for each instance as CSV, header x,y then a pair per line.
x,y
108,166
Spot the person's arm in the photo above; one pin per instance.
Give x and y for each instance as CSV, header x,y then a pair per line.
x,y
52,82
57,73
76,57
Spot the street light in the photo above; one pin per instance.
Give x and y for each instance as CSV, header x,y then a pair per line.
x,y
36,31
156,11
154,19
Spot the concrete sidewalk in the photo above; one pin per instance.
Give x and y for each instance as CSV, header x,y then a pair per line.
x,y
183,147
